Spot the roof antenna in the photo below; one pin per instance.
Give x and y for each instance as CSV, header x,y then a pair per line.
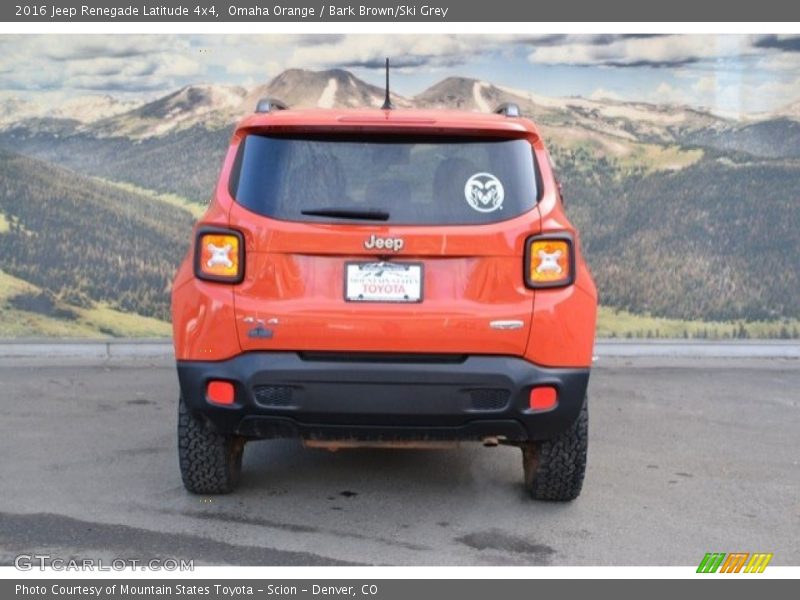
x,y
387,102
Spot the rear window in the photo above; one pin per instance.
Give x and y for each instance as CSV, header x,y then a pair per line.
x,y
395,179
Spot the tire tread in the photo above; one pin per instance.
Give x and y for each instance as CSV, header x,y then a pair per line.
x,y
210,462
555,469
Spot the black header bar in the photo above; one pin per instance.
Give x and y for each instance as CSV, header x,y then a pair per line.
x,y
396,11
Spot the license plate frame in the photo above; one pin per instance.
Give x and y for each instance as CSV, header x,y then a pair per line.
x,y
410,269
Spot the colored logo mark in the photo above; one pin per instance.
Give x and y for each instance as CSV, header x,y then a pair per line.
x,y
735,562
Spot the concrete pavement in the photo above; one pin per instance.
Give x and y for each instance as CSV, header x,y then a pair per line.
x,y
687,456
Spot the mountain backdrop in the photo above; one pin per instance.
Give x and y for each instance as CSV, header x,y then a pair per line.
x,y
690,220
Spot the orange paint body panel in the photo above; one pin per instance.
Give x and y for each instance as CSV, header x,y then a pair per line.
x,y
203,321
472,274
393,278
304,297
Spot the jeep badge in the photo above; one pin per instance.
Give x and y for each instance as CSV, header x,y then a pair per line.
x,y
377,243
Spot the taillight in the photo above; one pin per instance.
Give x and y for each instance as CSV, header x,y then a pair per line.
x,y
221,392
219,255
549,261
543,398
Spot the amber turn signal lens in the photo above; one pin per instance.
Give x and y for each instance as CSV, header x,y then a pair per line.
x,y
549,262
219,256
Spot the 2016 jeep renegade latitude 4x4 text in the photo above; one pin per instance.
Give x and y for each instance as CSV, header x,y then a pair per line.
x,y
385,277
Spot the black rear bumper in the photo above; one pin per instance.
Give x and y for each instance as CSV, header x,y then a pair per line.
x,y
383,397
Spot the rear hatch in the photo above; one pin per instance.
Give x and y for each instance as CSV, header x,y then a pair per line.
x,y
384,243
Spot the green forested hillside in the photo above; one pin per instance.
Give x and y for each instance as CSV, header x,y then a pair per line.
x,y
185,163
712,241
702,233
83,243
715,240
776,138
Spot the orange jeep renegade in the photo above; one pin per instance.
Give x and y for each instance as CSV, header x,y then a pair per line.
x,y
384,277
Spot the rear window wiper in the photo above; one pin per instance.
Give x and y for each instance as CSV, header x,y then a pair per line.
x,y
369,214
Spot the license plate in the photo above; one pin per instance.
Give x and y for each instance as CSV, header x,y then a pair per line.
x,y
383,282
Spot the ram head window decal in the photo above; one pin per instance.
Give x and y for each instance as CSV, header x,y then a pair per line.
x,y
484,192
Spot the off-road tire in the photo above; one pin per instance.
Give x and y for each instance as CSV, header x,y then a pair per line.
x,y
554,468
210,462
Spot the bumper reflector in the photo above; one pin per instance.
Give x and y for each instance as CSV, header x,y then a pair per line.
x,y
543,398
220,392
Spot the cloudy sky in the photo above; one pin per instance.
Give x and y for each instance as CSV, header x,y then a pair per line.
x,y
726,73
